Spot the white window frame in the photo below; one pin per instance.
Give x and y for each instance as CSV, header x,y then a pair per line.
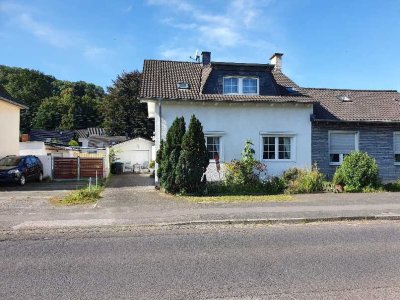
x,y
293,148
341,155
240,85
395,134
219,135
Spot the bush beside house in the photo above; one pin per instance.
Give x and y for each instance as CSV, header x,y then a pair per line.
x,y
358,172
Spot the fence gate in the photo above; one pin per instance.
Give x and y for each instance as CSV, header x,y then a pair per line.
x,y
65,168
89,166
77,167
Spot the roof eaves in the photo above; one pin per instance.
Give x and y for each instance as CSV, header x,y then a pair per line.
x,y
14,103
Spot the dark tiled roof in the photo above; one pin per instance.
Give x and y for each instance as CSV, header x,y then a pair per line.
x,y
160,80
5,96
362,105
58,137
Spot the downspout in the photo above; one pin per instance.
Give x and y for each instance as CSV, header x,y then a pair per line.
x,y
159,139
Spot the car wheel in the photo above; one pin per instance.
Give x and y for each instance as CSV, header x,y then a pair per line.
x,y
40,177
22,180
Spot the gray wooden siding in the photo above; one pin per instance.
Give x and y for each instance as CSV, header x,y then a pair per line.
x,y
375,139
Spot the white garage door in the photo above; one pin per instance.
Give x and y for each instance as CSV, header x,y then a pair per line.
x,y
134,156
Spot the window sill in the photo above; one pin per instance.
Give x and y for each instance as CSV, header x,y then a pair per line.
x,y
335,163
397,163
279,160
239,94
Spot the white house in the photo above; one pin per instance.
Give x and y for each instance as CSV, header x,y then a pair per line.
x,y
234,102
9,123
288,124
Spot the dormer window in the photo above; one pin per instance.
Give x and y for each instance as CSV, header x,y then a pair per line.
x,y
241,85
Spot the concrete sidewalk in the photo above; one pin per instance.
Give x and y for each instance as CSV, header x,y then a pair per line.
x,y
123,204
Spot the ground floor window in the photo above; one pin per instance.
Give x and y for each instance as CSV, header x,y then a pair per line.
x,y
213,144
341,143
277,147
396,147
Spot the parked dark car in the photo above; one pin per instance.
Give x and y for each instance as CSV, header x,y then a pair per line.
x,y
20,169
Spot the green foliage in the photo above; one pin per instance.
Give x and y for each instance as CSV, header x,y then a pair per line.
x,y
159,159
193,160
301,181
113,155
152,164
242,172
393,186
73,143
82,196
170,156
53,104
122,110
242,177
357,172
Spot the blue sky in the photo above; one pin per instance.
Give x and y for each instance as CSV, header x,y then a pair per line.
x,y
341,43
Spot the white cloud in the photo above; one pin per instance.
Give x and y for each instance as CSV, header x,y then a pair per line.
x,y
30,20
226,29
44,32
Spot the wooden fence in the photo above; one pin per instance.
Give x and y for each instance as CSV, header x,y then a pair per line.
x,y
77,167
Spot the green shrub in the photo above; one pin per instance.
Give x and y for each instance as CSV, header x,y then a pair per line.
x,y
273,186
357,172
393,186
73,143
301,181
152,164
83,196
243,172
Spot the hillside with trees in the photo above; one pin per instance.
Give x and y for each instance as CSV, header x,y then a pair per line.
x,y
60,105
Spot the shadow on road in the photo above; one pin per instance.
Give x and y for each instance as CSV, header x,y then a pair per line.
x,y
44,186
131,180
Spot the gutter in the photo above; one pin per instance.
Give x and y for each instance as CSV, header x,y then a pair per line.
x,y
14,103
355,121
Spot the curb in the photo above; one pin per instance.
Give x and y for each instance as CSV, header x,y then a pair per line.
x,y
127,227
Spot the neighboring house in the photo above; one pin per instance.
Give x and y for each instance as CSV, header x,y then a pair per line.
x,y
9,123
84,135
135,151
96,141
290,126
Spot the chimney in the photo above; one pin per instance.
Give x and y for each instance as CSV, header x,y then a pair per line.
x,y
276,60
205,58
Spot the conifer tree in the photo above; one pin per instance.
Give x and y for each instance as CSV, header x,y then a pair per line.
x,y
170,156
193,160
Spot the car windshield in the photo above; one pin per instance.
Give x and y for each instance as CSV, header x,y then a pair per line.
x,y
10,161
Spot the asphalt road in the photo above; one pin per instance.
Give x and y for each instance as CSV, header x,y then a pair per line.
x,y
324,261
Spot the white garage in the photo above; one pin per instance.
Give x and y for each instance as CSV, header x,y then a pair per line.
x,y
137,151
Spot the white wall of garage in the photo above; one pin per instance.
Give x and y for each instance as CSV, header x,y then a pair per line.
x,y
135,151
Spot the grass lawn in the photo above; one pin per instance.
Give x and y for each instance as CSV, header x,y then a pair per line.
x,y
241,198
82,196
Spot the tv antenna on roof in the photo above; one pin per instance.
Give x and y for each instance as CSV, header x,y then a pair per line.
x,y
196,57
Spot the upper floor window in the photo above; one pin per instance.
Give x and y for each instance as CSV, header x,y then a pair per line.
x,y
241,85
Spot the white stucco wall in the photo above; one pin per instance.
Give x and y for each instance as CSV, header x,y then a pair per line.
x,y
9,129
238,122
32,148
